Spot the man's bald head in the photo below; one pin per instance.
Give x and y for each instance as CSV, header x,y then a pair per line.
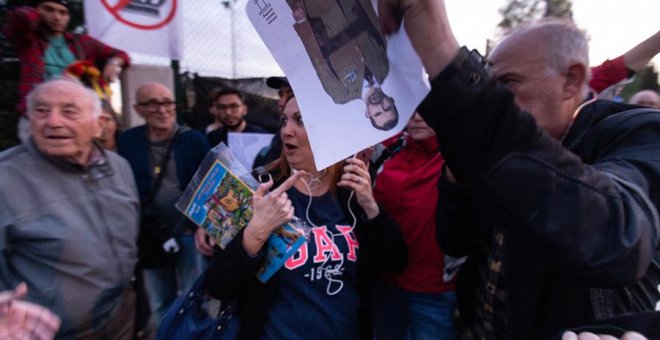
x,y
155,103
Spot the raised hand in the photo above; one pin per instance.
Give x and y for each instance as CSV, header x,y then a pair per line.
x,y
270,210
356,177
299,13
25,320
203,242
427,27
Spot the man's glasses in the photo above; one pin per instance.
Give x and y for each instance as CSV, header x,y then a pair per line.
x,y
154,106
231,107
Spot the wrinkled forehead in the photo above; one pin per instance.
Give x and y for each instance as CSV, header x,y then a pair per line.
x,y
506,47
60,92
515,51
154,91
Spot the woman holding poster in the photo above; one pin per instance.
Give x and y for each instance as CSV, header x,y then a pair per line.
x,y
318,293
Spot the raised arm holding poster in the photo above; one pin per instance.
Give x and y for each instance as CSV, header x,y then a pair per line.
x,y
355,87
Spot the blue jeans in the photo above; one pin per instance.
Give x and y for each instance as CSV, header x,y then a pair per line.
x,y
164,284
400,314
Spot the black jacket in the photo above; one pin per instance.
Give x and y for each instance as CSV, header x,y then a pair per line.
x,y
230,275
579,217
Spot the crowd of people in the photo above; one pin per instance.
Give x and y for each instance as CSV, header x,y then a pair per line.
x,y
520,201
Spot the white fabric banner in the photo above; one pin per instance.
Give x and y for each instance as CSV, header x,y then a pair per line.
x,y
149,27
355,88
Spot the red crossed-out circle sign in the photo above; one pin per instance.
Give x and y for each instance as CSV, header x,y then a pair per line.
x,y
114,10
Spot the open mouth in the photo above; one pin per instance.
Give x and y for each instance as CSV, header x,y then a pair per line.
x,y
290,146
57,139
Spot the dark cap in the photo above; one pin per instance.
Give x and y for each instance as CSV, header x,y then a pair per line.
x,y
276,82
64,3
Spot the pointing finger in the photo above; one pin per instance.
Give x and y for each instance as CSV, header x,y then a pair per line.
x,y
263,189
288,183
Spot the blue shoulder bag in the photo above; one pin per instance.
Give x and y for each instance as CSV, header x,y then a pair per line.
x,y
187,318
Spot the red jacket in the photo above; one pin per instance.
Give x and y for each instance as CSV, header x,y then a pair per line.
x,y
23,32
608,73
407,188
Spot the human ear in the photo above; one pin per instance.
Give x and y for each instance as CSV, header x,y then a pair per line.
x,y
98,127
575,80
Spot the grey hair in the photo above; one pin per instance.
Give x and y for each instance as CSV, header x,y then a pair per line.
x,y
567,43
92,96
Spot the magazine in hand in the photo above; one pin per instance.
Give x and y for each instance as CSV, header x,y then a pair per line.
x,y
219,199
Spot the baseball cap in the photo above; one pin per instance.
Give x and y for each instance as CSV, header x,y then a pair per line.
x,y
276,82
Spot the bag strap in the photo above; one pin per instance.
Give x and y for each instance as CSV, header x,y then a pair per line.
x,y
163,169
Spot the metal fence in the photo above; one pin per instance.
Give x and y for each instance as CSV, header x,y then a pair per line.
x,y
219,41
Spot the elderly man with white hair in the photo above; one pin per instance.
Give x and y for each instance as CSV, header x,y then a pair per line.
x,y
551,194
69,217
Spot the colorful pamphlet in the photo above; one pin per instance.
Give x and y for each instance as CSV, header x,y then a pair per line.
x,y
219,199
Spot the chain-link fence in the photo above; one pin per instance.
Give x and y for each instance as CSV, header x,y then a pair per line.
x,y
220,48
219,41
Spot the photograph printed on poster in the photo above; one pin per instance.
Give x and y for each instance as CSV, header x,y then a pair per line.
x,y
350,80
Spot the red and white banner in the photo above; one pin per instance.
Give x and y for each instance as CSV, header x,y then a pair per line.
x,y
139,26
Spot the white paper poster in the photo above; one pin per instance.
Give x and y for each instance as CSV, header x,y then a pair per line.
x,y
245,145
147,27
354,87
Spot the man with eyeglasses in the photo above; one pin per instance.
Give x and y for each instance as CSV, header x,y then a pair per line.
x,y
230,109
164,156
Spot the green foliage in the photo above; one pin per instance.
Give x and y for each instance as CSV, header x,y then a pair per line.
x,y
519,11
645,79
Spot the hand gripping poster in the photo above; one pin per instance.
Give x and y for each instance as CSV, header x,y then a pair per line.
x,y
355,86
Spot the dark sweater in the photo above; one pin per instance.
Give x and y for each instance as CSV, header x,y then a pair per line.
x,y
231,273
189,151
